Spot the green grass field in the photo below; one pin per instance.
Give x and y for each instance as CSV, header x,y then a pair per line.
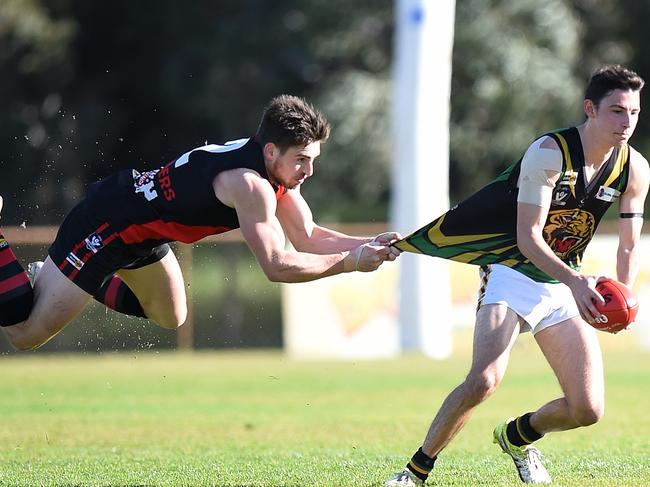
x,y
258,418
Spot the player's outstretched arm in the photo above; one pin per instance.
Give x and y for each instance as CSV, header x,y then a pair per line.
x,y
297,221
255,203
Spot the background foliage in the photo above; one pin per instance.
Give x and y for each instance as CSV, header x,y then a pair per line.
x,y
92,87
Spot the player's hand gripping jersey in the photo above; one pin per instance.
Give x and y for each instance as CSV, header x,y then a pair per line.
x,y
481,230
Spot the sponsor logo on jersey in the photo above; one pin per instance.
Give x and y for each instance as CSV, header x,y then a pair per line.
x,y
94,242
75,261
605,193
559,195
563,188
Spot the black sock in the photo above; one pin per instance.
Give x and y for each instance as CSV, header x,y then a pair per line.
x,y
520,432
116,295
16,294
421,464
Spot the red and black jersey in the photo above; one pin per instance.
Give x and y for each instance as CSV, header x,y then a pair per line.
x,y
177,202
126,219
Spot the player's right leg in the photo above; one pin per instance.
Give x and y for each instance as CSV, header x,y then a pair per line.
x,y
160,289
497,328
57,300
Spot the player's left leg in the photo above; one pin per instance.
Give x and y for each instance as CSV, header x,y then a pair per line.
x,y
57,300
160,289
573,352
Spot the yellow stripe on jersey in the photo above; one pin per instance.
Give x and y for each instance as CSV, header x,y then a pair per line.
x,y
441,240
567,159
468,257
618,168
406,247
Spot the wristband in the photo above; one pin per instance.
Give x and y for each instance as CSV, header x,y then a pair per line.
x,y
631,215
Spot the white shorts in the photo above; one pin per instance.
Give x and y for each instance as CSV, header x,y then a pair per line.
x,y
540,304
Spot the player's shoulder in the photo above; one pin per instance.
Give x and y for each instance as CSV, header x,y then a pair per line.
x,y
548,142
543,154
543,143
639,169
638,164
244,179
637,158
243,186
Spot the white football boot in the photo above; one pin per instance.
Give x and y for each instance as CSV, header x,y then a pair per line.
x,y
405,478
528,459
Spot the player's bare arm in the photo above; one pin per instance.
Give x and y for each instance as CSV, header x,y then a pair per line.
x,y
297,220
540,172
631,218
255,202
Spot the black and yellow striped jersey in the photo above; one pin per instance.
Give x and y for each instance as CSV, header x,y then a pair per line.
x,y
481,230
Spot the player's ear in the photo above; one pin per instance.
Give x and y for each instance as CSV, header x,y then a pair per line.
x,y
589,108
270,151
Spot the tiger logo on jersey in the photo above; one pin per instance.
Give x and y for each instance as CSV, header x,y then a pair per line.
x,y
568,231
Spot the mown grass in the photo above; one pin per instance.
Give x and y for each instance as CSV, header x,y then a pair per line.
x,y
259,418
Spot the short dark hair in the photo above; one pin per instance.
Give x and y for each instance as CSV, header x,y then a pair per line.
x,y
290,121
610,78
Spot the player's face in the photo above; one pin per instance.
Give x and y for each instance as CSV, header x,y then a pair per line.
x,y
617,115
292,167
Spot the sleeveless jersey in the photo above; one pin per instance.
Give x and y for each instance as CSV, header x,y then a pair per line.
x,y
481,230
176,202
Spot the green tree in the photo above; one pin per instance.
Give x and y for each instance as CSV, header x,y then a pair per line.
x,y
92,87
100,86
513,79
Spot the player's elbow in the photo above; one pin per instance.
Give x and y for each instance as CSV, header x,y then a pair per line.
x,y
525,242
274,277
279,268
279,275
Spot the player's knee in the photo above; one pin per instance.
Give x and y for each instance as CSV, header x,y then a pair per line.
x,y
481,386
172,320
588,414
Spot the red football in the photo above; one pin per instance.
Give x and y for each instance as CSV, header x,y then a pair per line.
x,y
620,308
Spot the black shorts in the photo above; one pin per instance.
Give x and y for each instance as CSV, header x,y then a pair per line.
x,y
88,247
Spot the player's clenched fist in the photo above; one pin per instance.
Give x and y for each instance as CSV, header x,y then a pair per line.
x,y
368,257
388,238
